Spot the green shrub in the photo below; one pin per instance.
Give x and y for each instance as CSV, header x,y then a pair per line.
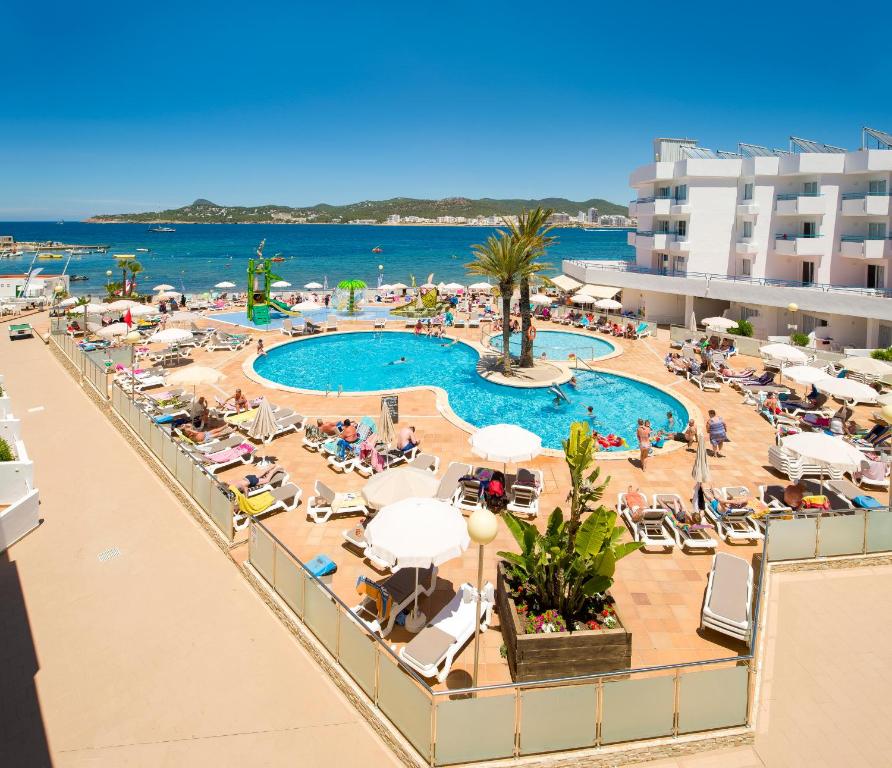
x,y
882,354
5,451
744,328
799,339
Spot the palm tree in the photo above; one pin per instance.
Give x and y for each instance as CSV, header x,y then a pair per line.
x,y
135,269
501,258
352,286
123,264
533,231
83,301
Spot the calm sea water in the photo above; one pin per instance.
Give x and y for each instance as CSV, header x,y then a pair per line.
x,y
197,256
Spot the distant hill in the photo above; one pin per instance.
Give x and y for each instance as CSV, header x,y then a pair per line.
x,y
205,212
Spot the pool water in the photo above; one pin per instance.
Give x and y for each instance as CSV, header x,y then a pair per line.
x,y
366,361
559,345
316,316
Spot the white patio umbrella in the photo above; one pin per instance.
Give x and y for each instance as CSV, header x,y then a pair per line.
x,y
163,287
507,443
91,308
225,284
847,389
785,353
453,287
69,302
263,427
480,287
581,298
113,330
825,451
280,284
170,336
168,295
867,365
393,485
719,323
196,375
142,310
123,305
400,287
885,399
541,299
608,304
313,286
805,374
417,533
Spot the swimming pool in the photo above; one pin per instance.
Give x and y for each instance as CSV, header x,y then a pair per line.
x,y
559,345
367,361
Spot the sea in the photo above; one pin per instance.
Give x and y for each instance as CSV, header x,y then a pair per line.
x,y
197,256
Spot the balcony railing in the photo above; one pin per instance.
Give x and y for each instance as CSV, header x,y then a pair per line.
x,y
651,199
863,238
797,236
862,195
797,195
615,266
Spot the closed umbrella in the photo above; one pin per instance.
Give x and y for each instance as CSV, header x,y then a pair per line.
x,y
847,389
263,427
313,286
825,451
867,365
719,323
507,443
700,472
394,485
417,533
386,430
692,323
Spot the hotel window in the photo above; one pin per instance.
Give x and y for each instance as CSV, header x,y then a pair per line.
x,y
876,230
809,229
876,276
747,229
884,336
748,313
681,193
663,227
664,193
810,323
876,187
746,267
748,191
680,264
681,228
810,188
808,272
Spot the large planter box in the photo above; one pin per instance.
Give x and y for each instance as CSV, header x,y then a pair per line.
x,y
560,654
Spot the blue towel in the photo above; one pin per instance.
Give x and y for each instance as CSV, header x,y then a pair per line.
x,y
866,502
321,565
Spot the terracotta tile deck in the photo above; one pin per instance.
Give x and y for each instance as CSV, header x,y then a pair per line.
x,y
659,595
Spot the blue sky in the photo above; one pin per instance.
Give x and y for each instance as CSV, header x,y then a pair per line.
x,y
127,107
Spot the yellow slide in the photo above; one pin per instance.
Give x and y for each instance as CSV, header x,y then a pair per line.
x,y
283,308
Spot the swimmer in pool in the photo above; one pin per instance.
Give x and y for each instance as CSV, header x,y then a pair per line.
x,y
573,383
398,362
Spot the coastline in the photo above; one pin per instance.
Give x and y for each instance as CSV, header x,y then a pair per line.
x,y
336,224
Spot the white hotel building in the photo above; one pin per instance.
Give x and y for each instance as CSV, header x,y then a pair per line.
x,y
746,234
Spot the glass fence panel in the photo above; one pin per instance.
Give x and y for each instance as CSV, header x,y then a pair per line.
x,y
184,471
321,615
156,441
202,486
406,705
116,398
289,581
879,530
841,535
357,654
712,698
481,728
638,708
133,417
146,426
792,539
170,456
541,731
221,511
261,553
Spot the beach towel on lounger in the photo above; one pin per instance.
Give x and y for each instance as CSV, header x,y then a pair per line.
x,y
222,457
253,505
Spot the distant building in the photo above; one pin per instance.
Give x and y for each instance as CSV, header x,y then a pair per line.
x,y
6,242
15,286
394,218
559,218
363,221
592,216
581,217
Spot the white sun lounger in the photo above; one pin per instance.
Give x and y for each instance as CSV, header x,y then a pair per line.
x,y
401,590
735,524
469,495
433,650
686,536
331,324
213,467
286,498
650,529
449,482
139,385
425,461
523,497
706,380
327,503
727,606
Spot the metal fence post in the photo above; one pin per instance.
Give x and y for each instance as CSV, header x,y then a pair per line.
x,y
676,714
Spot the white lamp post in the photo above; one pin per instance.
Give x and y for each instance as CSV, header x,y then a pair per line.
x,y
482,528
108,276
792,308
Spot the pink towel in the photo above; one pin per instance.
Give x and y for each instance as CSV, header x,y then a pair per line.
x,y
874,470
223,457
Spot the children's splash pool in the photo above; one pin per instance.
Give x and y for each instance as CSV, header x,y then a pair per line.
x,y
369,361
560,345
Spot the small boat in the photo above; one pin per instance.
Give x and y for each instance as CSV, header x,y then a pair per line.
x,y
78,278
377,249
160,229
49,255
142,250
277,258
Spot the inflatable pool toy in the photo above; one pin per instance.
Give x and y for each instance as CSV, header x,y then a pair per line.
x,y
610,441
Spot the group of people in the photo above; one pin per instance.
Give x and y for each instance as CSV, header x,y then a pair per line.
x,y
347,433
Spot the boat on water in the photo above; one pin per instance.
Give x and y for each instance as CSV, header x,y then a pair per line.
x,y
160,229
49,255
377,249
142,250
78,278
277,258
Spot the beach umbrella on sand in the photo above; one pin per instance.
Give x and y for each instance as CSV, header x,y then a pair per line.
x,y
69,302
453,287
166,295
417,533
313,286
385,287
182,316
225,284
163,287
399,287
142,310
123,305
394,485
264,425
480,287
507,443
847,389
280,284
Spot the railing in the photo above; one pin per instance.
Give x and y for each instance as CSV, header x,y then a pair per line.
x,y
631,267
797,195
745,345
512,719
651,199
854,532
863,238
862,195
797,236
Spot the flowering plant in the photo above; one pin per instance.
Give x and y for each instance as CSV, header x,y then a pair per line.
x,y
550,621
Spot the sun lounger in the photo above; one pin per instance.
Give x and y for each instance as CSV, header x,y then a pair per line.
x,y
856,496
288,328
326,503
650,529
449,482
314,440
734,524
727,606
425,461
687,535
142,384
706,380
280,478
642,331
285,498
227,458
473,322
433,650
198,451
224,343
523,496
384,600
380,322
331,324
469,495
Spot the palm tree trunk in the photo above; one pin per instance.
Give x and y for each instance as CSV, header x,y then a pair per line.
x,y
526,343
506,289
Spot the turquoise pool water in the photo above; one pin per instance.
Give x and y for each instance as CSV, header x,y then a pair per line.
x,y
365,361
559,345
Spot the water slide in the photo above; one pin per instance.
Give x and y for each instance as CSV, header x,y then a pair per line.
x,y
281,306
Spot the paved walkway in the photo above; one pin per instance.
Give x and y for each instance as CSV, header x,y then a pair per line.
x,y
161,655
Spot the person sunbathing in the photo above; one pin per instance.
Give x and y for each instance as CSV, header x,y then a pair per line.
x,y
204,436
407,439
721,506
878,435
732,373
238,400
249,482
677,510
636,503
793,495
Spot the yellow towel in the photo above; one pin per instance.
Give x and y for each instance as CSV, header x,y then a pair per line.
x,y
241,418
253,505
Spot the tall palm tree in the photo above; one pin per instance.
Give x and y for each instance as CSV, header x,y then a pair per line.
x,y
123,264
534,233
501,258
135,269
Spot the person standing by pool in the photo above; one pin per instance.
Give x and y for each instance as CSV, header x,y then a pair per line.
x,y
718,433
643,434
260,350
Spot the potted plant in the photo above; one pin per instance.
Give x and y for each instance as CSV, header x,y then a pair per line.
x,y
557,615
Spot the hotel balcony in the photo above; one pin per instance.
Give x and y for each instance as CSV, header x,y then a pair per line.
x,y
858,247
800,205
861,204
800,245
631,238
654,241
680,208
748,210
651,206
679,244
746,247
